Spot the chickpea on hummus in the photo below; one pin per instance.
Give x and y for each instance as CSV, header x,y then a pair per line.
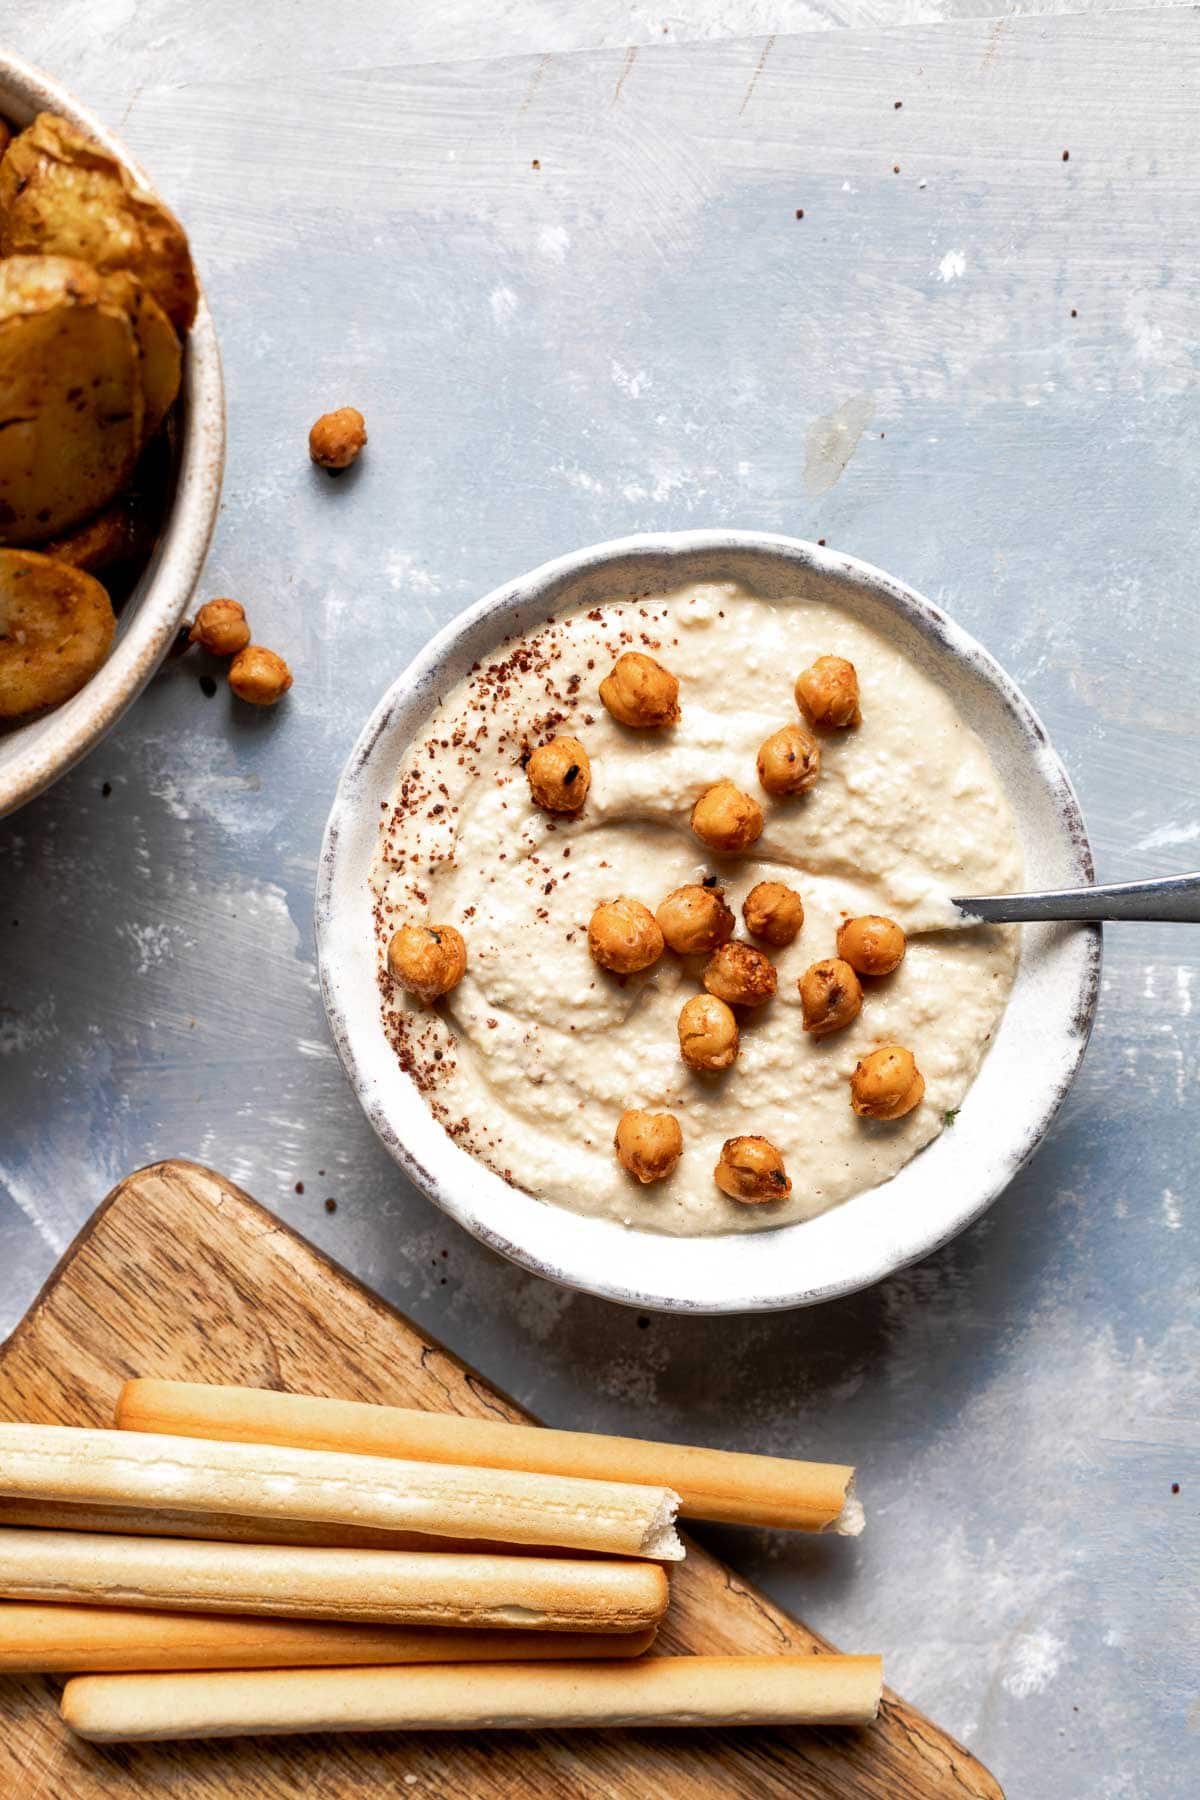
x,y
585,822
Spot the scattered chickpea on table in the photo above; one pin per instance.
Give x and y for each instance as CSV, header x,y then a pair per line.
x,y
259,675
221,628
337,438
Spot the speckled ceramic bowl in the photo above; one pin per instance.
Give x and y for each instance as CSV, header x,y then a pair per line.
x,y
34,754
948,1184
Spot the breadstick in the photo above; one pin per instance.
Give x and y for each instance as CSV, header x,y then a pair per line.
x,y
669,1690
384,1587
77,1640
726,1485
237,1528
121,1468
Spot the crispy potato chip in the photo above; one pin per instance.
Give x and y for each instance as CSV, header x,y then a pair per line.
x,y
73,405
119,534
158,346
56,626
62,194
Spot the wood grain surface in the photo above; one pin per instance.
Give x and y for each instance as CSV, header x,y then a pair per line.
x,y
180,1274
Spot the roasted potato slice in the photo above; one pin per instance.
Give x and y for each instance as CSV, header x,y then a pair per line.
x,y
71,422
158,346
118,534
62,194
56,626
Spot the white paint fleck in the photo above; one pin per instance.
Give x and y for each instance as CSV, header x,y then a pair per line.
x,y
1171,1210
1035,1658
404,573
151,942
628,382
579,478
48,1233
504,304
22,1032
953,266
1164,836
831,441
553,243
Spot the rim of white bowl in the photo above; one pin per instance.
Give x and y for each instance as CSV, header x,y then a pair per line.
x,y
566,1246
47,747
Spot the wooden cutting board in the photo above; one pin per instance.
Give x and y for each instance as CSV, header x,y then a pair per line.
x,y
180,1274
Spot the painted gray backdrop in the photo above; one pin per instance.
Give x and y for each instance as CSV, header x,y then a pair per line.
x,y
642,334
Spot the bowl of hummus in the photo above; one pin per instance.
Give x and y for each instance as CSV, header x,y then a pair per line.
x,y
635,931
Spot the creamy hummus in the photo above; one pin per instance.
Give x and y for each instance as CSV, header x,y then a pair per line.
x,y
530,1061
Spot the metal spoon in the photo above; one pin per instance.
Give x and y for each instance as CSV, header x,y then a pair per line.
x,y
1175,898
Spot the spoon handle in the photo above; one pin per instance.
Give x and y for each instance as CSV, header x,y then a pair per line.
x,y
1175,898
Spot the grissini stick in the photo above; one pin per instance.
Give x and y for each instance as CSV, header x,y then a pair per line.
x,y
238,1528
726,1485
392,1587
669,1690
124,1468
78,1640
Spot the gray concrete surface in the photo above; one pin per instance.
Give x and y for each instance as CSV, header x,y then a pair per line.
x,y
639,334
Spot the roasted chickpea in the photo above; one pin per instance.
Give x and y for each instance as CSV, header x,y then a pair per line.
x,y
708,1033
726,819
220,628
830,996
559,775
5,136
256,674
640,692
428,960
887,1084
623,936
872,944
789,761
740,975
337,437
828,693
695,919
648,1145
773,911
751,1170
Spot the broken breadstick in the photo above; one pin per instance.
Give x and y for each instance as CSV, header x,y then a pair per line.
x,y
78,1640
674,1690
726,1485
394,1587
238,1528
122,1468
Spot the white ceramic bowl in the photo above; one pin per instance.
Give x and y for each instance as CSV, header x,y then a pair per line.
x,y
34,754
948,1184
